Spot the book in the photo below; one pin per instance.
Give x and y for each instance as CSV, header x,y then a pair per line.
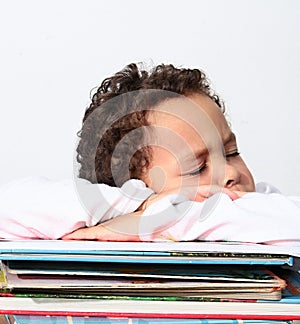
x,y
203,282
217,272
149,308
33,269
149,252
28,319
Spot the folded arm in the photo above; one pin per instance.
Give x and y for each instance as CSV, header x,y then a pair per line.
x,y
257,218
127,227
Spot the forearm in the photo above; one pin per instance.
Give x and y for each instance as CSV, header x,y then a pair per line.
x,y
124,228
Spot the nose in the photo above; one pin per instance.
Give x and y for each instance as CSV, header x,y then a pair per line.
x,y
232,176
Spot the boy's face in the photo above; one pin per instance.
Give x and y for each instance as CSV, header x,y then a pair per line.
x,y
193,146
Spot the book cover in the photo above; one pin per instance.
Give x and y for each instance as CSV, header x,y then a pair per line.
x,y
148,252
27,319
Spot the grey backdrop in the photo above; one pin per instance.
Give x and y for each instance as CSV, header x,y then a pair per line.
x,y
54,52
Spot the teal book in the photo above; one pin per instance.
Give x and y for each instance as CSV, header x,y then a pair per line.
x,y
148,252
28,319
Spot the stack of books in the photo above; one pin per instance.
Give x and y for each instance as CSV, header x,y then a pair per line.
x,y
182,282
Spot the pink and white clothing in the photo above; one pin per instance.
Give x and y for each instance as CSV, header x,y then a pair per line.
x,y
38,208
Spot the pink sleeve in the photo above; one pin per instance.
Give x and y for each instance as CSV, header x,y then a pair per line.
x,y
256,218
38,208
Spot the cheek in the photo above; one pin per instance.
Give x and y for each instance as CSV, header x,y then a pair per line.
x,y
157,179
163,174
246,176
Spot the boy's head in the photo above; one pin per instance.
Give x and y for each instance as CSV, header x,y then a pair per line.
x,y
165,126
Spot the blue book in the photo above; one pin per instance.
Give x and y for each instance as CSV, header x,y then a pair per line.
x,y
28,319
148,252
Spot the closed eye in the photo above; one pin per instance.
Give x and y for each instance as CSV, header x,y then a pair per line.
x,y
198,170
232,154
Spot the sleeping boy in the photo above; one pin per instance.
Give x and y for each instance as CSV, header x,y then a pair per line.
x,y
157,161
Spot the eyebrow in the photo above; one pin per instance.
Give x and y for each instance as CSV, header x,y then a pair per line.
x,y
229,139
196,155
200,153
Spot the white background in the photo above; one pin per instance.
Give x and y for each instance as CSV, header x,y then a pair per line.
x,y
54,52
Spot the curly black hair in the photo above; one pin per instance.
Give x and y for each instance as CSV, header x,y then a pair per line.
x,y
115,118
